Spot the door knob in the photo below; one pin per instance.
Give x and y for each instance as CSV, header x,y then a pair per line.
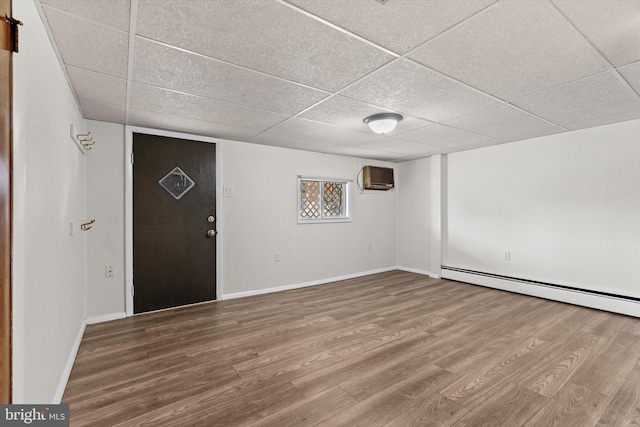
x,y
211,233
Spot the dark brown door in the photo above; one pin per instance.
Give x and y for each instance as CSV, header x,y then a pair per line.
x,y
5,201
174,221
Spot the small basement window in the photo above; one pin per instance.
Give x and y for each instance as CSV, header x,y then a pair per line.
x,y
323,200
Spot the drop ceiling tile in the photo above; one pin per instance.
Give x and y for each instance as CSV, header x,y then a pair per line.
x,y
187,125
605,120
512,49
162,66
407,148
87,45
150,98
113,13
100,111
612,26
366,153
299,133
409,158
631,74
264,36
98,87
413,89
299,145
506,123
349,113
473,146
445,136
399,25
582,101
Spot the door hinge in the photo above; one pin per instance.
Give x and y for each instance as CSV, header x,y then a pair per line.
x,y
13,29
133,292
131,158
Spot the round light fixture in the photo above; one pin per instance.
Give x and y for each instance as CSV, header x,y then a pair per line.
x,y
383,123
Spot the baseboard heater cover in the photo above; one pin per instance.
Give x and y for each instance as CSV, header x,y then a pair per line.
x,y
539,283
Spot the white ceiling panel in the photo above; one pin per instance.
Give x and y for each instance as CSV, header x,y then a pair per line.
x,y
612,26
113,13
399,25
445,136
582,101
300,132
471,146
410,88
98,87
150,98
512,49
95,110
400,146
506,123
163,66
305,73
604,120
88,45
264,36
349,113
156,120
631,74
366,153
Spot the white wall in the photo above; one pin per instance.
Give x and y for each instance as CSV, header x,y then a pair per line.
x,y
105,203
414,215
566,206
49,192
257,222
262,219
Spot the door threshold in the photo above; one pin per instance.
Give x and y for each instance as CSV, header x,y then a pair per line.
x,y
178,307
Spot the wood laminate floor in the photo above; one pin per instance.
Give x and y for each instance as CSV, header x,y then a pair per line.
x,y
392,349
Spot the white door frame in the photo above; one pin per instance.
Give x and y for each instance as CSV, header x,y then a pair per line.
x,y
128,206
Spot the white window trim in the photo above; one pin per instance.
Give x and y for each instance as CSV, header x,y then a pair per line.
x,y
347,198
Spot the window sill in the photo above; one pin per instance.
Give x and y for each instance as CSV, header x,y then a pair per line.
x,y
323,221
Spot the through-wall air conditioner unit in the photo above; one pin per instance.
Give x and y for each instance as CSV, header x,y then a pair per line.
x,y
377,178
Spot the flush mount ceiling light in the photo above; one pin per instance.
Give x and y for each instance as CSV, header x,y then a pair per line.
x,y
383,123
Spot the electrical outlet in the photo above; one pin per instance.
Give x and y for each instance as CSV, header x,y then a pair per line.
x,y
277,257
507,256
108,271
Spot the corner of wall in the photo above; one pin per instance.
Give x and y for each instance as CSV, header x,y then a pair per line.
x,y
64,377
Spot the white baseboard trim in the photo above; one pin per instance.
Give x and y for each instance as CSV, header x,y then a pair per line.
x,y
305,284
600,302
64,378
106,318
415,270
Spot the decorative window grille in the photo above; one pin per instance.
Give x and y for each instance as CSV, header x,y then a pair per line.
x,y
323,200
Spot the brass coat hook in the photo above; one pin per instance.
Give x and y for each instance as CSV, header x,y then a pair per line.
x,y
86,145
87,225
83,135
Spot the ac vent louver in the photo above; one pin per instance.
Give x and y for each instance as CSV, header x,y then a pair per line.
x,y
377,178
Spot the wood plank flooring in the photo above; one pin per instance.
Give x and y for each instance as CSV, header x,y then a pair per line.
x,y
391,349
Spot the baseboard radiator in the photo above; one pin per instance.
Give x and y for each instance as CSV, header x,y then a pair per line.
x,y
538,283
608,301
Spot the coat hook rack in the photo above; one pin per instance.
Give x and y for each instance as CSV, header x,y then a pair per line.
x,y
87,225
86,140
83,141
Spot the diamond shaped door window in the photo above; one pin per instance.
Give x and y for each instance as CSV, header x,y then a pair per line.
x,y
177,183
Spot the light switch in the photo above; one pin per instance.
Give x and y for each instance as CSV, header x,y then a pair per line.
x,y
229,191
